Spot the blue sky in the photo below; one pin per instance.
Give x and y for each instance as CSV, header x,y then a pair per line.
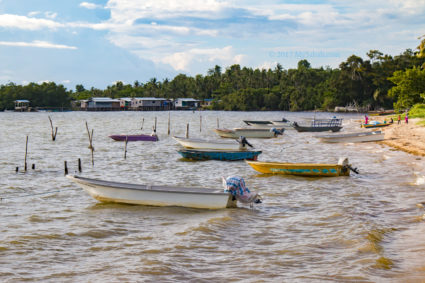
x,y
96,43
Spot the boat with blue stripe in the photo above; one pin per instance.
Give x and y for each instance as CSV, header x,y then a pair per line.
x,y
342,168
219,154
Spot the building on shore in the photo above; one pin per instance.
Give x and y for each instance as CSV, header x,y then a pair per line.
x,y
22,105
125,103
100,104
150,104
186,104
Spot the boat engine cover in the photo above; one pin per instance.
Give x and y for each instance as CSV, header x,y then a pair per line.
x,y
236,186
343,161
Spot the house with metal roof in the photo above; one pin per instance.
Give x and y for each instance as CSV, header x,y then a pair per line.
x,y
101,104
186,104
22,105
150,104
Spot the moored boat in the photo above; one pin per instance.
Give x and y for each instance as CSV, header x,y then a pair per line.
x,y
353,137
320,125
264,133
262,124
140,137
376,124
155,195
211,144
342,168
224,155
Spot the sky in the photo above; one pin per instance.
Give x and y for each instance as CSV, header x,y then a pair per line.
x,y
97,43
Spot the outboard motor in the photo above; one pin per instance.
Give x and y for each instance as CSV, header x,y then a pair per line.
x,y
277,132
236,187
243,142
343,161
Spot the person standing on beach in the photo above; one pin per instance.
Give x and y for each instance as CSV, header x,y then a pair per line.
x,y
406,118
399,119
366,119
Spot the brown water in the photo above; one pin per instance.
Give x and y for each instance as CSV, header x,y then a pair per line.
x,y
362,228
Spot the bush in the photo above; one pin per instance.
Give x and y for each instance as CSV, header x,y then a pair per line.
x,y
417,111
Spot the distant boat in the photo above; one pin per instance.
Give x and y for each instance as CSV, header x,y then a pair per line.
x,y
264,133
304,169
376,124
211,144
224,155
140,137
320,125
353,137
155,195
262,123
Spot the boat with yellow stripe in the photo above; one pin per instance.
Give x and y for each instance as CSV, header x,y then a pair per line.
x,y
342,168
376,124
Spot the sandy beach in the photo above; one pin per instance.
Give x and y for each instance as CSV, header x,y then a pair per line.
x,y
406,137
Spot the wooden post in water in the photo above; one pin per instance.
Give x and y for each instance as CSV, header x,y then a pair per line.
x,y
79,165
187,130
91,143
66,168
125,147
33,166
169,123
155,125
54,133
143,122
26,152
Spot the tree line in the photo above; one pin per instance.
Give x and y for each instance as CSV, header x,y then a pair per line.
x,y
380,81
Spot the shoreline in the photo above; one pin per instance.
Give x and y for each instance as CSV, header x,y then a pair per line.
x,y
409,137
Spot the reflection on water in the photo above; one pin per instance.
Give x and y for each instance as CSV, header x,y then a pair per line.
x,y
365,227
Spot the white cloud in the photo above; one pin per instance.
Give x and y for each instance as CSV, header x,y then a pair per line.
x,y
181,61
27,23
36,43
90,6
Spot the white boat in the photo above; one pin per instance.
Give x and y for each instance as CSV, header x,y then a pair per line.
x,y
154,195
249,133
353,137
207,144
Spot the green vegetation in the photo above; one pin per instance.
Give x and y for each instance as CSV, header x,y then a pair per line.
x,y
417,111
381,81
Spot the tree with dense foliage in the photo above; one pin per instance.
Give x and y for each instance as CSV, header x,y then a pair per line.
x,y
378,81
409,87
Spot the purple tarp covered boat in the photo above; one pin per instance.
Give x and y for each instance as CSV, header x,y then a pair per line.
x,y
140,137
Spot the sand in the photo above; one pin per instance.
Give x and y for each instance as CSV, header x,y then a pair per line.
x,y
406,137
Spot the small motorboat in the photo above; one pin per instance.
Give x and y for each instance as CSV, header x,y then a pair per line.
x,y
157,195
239,144
304,169
353,137
375,124
140,137
320,125
255,132
224,155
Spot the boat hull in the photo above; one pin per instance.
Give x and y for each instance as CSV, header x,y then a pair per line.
x,y
300,169
204,144
317,129
263,133
106,191
354,137
379,125
134,137
219,155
